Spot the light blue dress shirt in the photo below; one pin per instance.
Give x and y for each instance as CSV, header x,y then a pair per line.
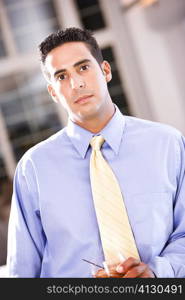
x,y
53,224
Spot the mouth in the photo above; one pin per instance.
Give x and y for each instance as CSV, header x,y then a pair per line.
x,y
83,99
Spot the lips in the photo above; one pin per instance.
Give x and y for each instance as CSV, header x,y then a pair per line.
x,y
83,98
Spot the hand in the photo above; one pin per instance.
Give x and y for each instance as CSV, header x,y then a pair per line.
x,y
101,273
130,268
133,268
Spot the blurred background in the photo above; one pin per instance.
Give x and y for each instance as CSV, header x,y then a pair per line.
x,y
144,41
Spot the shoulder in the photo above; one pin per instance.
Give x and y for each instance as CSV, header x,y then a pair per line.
x,y
151,129
44,149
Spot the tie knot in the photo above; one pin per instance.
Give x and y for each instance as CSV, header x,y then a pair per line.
x,y
96,142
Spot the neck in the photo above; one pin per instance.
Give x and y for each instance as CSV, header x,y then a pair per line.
x,y
97,123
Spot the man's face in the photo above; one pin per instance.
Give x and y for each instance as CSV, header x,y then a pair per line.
x,y
78,81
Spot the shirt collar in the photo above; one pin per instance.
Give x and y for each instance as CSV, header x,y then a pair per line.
x,y
112,133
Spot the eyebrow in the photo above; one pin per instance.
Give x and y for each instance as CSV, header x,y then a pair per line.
x,y
75,65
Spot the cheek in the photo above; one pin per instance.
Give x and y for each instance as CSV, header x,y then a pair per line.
x,y
102,86
60,94
63,93
97,83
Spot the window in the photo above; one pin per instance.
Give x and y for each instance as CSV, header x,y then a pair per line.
x,y
115,86
5,200
90,14
31,21
28,110
2,48
3,174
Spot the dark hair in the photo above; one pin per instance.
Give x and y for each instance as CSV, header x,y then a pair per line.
x,y
70,34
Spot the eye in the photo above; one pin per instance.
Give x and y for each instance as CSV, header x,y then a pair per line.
x,y
62,77
84,67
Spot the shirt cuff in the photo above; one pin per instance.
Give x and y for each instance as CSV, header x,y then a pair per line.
x,y
161,267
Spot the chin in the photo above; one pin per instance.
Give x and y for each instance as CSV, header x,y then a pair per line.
x,y
87,112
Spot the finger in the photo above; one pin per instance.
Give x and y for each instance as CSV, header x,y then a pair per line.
x,y
147,274
101,274
136,271
109,272
144,276
127,264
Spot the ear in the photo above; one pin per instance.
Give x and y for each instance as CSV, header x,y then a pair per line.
x,y
52,93
106,68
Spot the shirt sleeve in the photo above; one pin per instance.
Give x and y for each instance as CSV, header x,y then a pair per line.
x,y
171,262
25,234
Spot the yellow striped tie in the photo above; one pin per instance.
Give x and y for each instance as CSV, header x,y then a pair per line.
x,y
115,230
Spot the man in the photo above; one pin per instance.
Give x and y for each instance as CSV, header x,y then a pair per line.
x,y
53,225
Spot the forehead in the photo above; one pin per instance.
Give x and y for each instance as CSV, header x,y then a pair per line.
x,y
67,55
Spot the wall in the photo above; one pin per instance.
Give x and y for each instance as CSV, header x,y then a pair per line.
x,y
157,38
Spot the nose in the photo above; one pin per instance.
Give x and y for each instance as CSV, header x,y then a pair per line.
x,y
77,82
